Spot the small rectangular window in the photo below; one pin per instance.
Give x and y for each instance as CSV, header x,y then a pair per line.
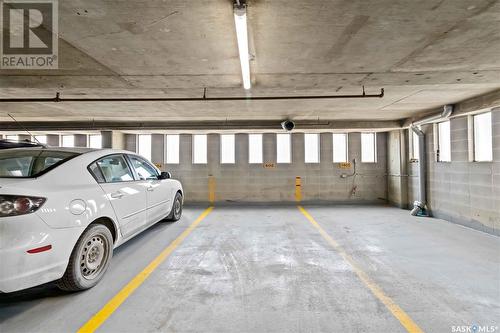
x,y
144,146
444,142
172,147
12,137
255,148
68,141
227,149
40,139
483,140
283,148
200,149
368,148
340,148
95,141
311,148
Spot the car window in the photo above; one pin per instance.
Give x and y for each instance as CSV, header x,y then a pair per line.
x,y
24,163
114,169
95,171
144,169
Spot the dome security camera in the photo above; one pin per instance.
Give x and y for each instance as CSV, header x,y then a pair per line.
x,y
288,125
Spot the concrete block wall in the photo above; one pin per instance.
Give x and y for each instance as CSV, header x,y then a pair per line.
x,y
460,191
244,182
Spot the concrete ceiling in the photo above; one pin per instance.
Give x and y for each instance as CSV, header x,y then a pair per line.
x,y
424,53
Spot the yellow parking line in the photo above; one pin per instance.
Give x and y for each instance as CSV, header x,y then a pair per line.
x,y
397,312
100,317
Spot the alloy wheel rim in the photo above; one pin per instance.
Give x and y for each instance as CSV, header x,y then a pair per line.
x,y
94,256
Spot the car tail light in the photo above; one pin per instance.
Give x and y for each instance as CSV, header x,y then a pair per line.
x,y
13,205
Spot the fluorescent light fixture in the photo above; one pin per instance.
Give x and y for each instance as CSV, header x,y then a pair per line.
x,y
240,21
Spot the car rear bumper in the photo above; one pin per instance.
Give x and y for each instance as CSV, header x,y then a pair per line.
x,y
51,251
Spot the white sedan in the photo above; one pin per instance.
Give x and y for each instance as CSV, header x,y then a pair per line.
x,y
64,210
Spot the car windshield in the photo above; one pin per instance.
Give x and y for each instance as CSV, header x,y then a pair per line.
x,y
27,163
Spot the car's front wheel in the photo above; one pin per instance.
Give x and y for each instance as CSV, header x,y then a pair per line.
x,y
89,260
176,212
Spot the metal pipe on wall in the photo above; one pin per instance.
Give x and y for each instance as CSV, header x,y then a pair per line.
x,y
445,114
212,125
59,99
420,205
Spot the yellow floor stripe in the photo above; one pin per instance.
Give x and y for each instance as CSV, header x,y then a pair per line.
x,y
400,315
100,317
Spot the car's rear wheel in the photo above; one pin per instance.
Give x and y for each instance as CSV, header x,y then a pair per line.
x,y
89,260
176,212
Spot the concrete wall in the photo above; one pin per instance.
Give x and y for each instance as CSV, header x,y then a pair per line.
x,y
460,191
244,182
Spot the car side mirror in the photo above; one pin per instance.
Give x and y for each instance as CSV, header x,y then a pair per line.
x,y
165,175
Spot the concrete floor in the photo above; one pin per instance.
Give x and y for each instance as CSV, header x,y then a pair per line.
x,y
258,269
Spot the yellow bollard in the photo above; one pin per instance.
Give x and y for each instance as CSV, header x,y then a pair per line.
x,y
298,189
211,189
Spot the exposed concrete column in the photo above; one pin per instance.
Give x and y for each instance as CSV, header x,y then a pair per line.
x,y
403,152
53,140
80,140
298,152
495,120
354,147
297,180
113,139
213,154
130,142
241,147
326,149
326,168
158,149
269,147
185,150
213,168
107,139
397,185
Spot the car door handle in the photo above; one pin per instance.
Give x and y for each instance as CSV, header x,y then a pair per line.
x,y
150,189
117,195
